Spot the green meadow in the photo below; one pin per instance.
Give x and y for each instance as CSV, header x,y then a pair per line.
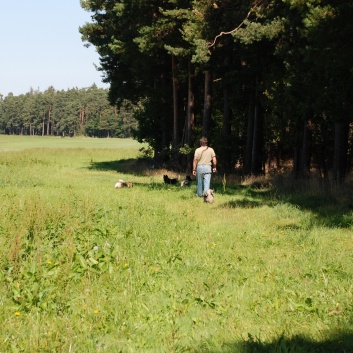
x,y
85,267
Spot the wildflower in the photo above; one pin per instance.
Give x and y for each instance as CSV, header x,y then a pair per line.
x,y
126,265
95,311
49,262
95,248
17,313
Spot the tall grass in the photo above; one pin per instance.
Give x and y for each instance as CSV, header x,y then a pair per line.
x,y
85,267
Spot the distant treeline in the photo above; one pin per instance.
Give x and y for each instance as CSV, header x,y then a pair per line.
x,y
73,112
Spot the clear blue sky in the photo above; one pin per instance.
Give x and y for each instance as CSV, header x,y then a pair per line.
x,y
40,46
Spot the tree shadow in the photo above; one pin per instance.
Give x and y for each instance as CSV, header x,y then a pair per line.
x,y
328,210
337,343
134,166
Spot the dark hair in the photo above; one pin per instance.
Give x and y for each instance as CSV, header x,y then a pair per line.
x,y
203,141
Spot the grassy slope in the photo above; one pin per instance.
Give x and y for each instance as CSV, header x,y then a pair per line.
x,y
87,268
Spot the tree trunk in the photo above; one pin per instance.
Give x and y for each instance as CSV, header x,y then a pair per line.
x,y
48,122
191,108
175,106
297,153
249,135
165,118
341,150
226,148
190,113
305,157
82,118
302,151
273,157
207,108
257,146
43,124
226,132
227,114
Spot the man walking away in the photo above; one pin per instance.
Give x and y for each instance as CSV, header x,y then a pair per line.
x,y
204,164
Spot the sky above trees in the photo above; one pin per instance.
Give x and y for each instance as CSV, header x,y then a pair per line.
x,y
41,47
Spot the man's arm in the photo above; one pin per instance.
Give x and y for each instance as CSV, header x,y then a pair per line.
x,y
194,165
214,162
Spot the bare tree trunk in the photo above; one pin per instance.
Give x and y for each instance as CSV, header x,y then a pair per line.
x,y
207,107
302,151
191,108
226,132
341,151
48,122
175,106
190,113
249,135
257,148
165,118
226,149
273,157
297,153
82,118
227,114
43,125
305,157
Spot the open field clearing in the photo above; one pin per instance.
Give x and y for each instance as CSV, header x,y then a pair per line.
x,y
16,143
85,267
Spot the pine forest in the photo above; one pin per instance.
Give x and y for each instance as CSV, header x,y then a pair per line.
x,y
269,82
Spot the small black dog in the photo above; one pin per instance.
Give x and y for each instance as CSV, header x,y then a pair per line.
x,y
168,180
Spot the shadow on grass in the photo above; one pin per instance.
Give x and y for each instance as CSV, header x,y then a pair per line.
x,y
327,209
135,166
337,343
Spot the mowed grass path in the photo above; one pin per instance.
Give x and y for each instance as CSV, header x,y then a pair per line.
x,y
85,267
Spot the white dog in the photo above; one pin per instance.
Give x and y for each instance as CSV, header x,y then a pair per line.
x,y
122,184
209,196
119,183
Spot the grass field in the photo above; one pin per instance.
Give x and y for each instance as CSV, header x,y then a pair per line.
x,y
16,143
85,267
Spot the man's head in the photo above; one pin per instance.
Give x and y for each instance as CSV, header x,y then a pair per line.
x,y
203,141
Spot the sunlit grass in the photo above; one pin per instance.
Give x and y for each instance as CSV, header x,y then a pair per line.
x,y
16,143
85,267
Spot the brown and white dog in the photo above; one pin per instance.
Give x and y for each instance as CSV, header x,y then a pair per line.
x,y
122,184
209,196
